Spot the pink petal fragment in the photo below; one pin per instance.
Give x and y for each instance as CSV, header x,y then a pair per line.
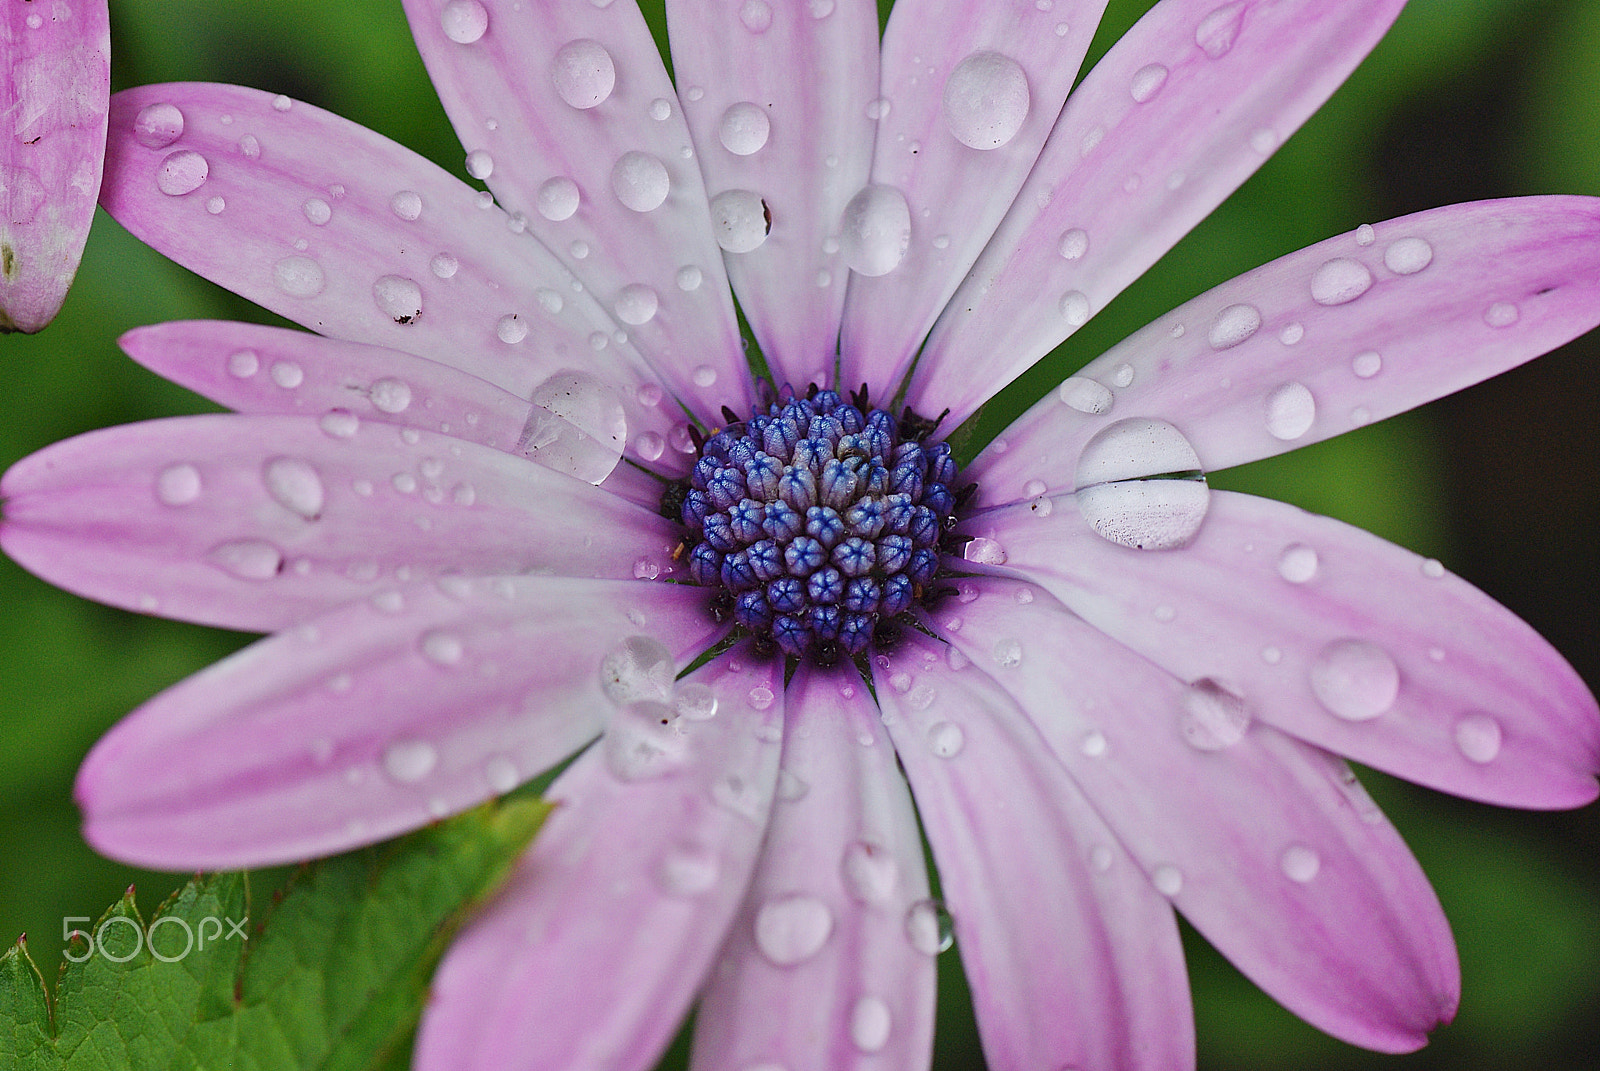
x,y
568,115
373,719
970,92
819,970
355,237
591,954
1073,957
257,369
1337,637
1264,843
778,109
53,104
1138,157
1442,300
258,522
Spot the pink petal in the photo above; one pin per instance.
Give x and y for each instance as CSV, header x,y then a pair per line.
x,y
1138,158
257,369
1456,295
52,147
972,90
1264,843
1272,601
1073,958
778,111
353,236
590,955
258,522
819,970
568,99
373,719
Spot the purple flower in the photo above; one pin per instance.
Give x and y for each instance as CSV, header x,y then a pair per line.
x,y
495,508
53,111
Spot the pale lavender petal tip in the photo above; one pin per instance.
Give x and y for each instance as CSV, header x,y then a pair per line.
x,y
53,109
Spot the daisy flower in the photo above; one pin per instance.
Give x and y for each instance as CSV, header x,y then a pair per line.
x,y
53,113
520,494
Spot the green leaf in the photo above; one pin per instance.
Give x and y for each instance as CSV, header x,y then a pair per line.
x,y
332,975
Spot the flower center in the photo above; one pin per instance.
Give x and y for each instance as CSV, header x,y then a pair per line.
x,y
817,521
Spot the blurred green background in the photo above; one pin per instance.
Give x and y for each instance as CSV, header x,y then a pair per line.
x,y
1464,99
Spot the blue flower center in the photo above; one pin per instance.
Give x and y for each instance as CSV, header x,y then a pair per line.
x,y
817,521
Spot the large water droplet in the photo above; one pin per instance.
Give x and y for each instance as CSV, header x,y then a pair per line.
x,y
557,199
1213,718
744,128
1291,410
480,165
792,929
183,171
1119,499
1217,31
294,485
1407,256
1355,679
636,304
178,485
640,181
870,1024
398,298
644,741
464,21
583,73
1233,325
986,100
875,231
1340,280
247,559
409,761
158,125
641,668
299,277
576,426
739,220
1478,736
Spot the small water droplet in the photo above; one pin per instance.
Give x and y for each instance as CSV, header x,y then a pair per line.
x,y
984,551
178,485
689,278
870,873
583,73
250,147
317,211
1300,863
247,559
281,103
1007,653
1233,325
442,648
1366,364
640,181
1366,235
1478,736
636,304
480,165
739,219
870,1024
695,701
1298,563
1501,314
1074,244
875,230
464,21
1407,256
1432,568
1263,140
1339,281
299,277
756,15
744,128
1085,395
398,298
1094,744
294,485
986,100
1118,500
1355,679
158,125
1147,82
409,761
929,928
689,870
407,204
640,668
1213,718
1291,410
215,205
1167,879
792,929
390,395
1074,308
287,374
444,265
183,171
1219,30
1292,333
946,739
501,773
1123,376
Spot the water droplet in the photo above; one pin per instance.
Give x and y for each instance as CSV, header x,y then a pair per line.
x,y
1167,879
1085,395
1094,744
1300,863
929,927
576,426
875,231
294,485
480,165
739,220
986,100
390,395
689,870
1292,333
501,773
287,374
1147,82
407,204
984,551
1233,325
820,9
409,761
756,15
1007,653
158,125
398,298
182,172
1213,718
869,1024
1407,256
299,277
689,278
1123,376
945,739
1478,737
1366,235
1291,410
281,103
640,181
744,128
644,741
1074,308
1298,563
442,648
792,929
640,668
1340,280
178,485
636,304
1501,314
583,73
1074,244
464,21
1366,364
695,701
215,205
870,873
1217,31
247,559
1432,568
250,147
1263,140
317,211
1355,679
1122,504
444,265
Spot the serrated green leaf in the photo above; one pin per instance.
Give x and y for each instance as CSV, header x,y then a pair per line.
x,y
332,977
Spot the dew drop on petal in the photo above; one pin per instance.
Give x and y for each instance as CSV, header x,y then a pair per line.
x,y
1217,31
247,559
1407,256
986,100
1501,314
339,423
1167,879
464,21
1291,410
642,742
1292,333
984,551
501,774
583,73
945,739
1123,376
1134,448
407,204
1339,281
1146,514
158,125
287,374
1212,718
1233,325
1074,244
792,929
442,647
299,277
689,278
875,231
1300,863
870,873
1355,679
636,304
1074,308
183,171
317,211
640,181
688,870
1478,736
444,265
557,199
510,329
294,485
576,426
390,395
1366,364
695,701
639,668
409,761
178,485
929,928
398,298
1298,563
739,220
1147,82
744,128
870,1024
1085,395
756,15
